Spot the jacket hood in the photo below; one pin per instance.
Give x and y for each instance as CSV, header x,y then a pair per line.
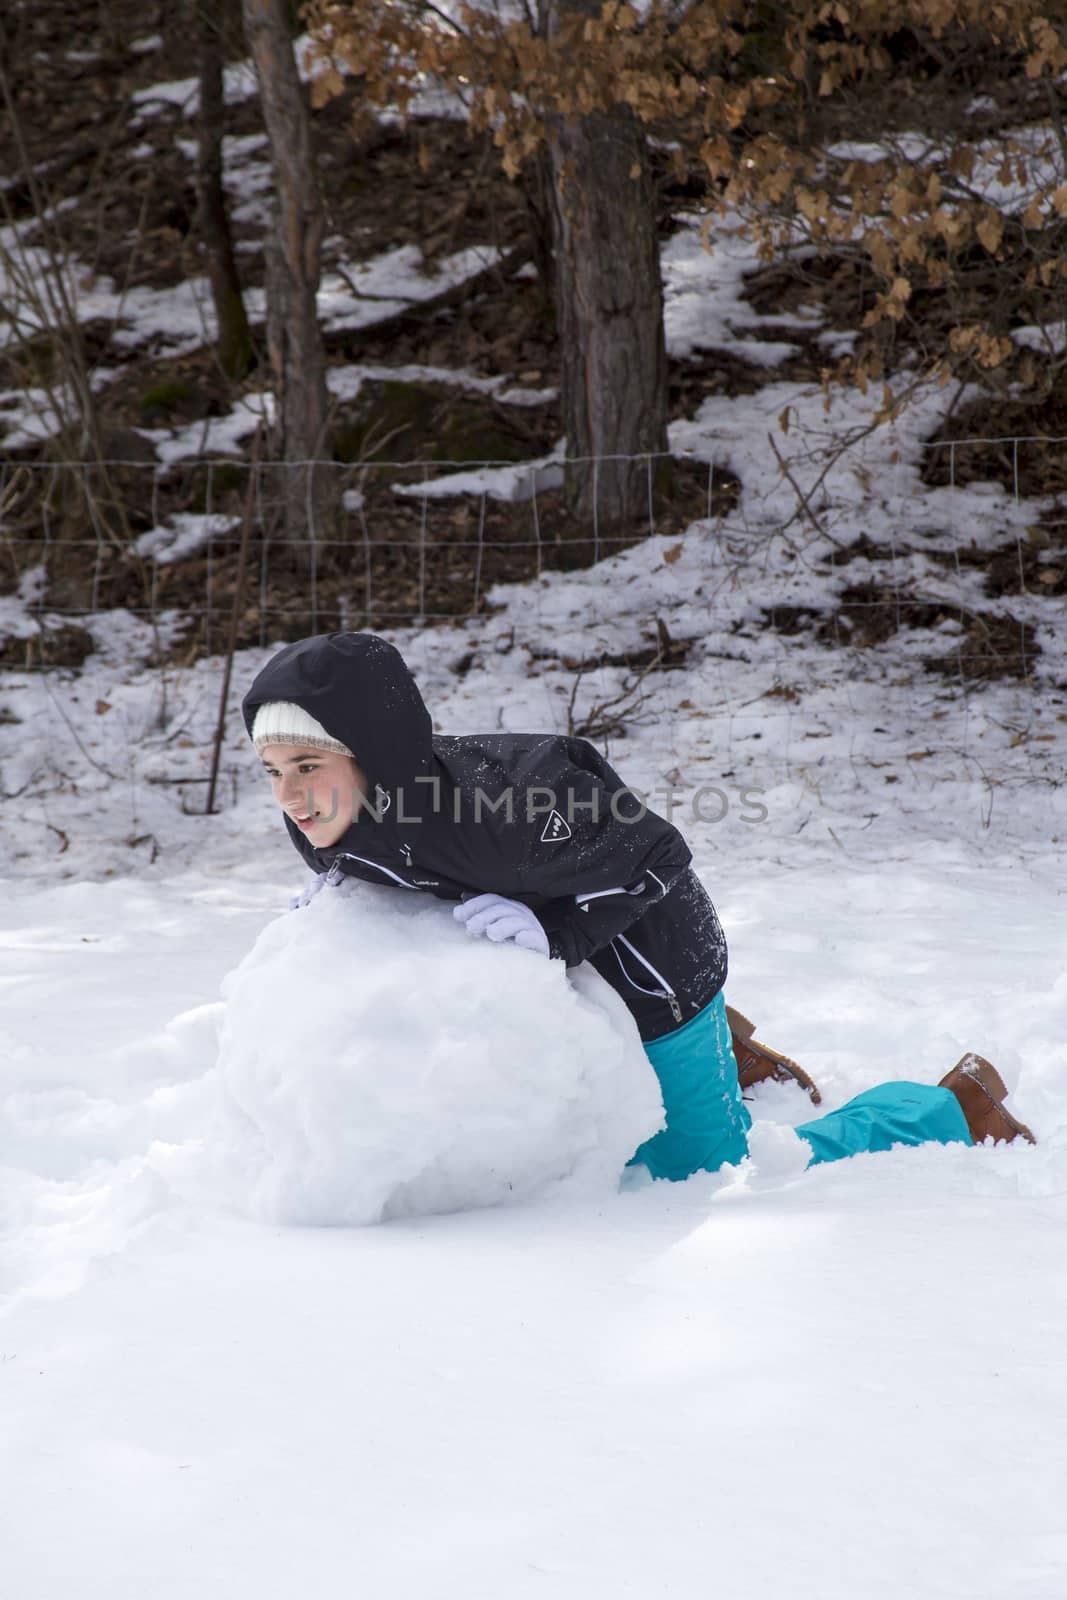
x,y
358,686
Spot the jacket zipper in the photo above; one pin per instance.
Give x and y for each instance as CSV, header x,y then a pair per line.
x,y
417,883
663,993
346,855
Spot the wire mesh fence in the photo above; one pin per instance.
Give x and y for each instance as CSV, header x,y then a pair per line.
x,y
388,542
959,534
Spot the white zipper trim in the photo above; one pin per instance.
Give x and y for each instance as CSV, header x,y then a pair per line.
x,y
597,894
347,855
660,979
658,993
639,888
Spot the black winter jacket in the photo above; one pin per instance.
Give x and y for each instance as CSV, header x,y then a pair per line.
x,y
540,818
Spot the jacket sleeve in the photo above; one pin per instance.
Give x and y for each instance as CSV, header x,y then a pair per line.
x,y
599,866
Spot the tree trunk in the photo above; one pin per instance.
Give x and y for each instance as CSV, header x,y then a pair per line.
x,y
293,247
609,310
177,27
234,338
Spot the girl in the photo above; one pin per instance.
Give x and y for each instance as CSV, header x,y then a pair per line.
x,y
537,840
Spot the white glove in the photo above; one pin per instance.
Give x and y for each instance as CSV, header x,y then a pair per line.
x,y
309,893
501,919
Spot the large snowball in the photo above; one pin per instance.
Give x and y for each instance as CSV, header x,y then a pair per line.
x,y
377,1061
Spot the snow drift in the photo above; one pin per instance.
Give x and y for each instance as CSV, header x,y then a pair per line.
x,y
377,1061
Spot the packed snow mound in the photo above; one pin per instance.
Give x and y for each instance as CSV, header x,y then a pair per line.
x,y
377,1061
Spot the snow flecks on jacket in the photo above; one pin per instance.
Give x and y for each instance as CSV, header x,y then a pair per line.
x,y
540,818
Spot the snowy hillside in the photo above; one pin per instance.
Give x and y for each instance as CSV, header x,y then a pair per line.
x,y
317,1276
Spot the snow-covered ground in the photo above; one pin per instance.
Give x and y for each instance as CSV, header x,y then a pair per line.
x,y
826,1384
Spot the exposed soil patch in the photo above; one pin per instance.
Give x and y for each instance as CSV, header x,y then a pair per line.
x,y
508,327
869,613
711,372
65,646
395,420
791,620
445,186
987,645
170,391
862,549
662,655
841,286
991,646
1022,446
1036,563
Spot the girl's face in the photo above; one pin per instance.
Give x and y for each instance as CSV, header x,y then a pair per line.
x,y
321,790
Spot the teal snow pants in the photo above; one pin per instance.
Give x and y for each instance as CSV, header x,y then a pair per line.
x,y
708,1122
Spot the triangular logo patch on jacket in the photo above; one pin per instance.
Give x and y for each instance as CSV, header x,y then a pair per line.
x,y
555,829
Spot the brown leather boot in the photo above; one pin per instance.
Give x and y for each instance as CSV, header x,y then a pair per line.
x,y
981,1090
756,1062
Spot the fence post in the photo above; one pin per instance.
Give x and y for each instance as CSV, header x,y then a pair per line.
x,y
235,612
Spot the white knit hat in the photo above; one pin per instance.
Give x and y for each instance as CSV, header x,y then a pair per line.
x,y
281,722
